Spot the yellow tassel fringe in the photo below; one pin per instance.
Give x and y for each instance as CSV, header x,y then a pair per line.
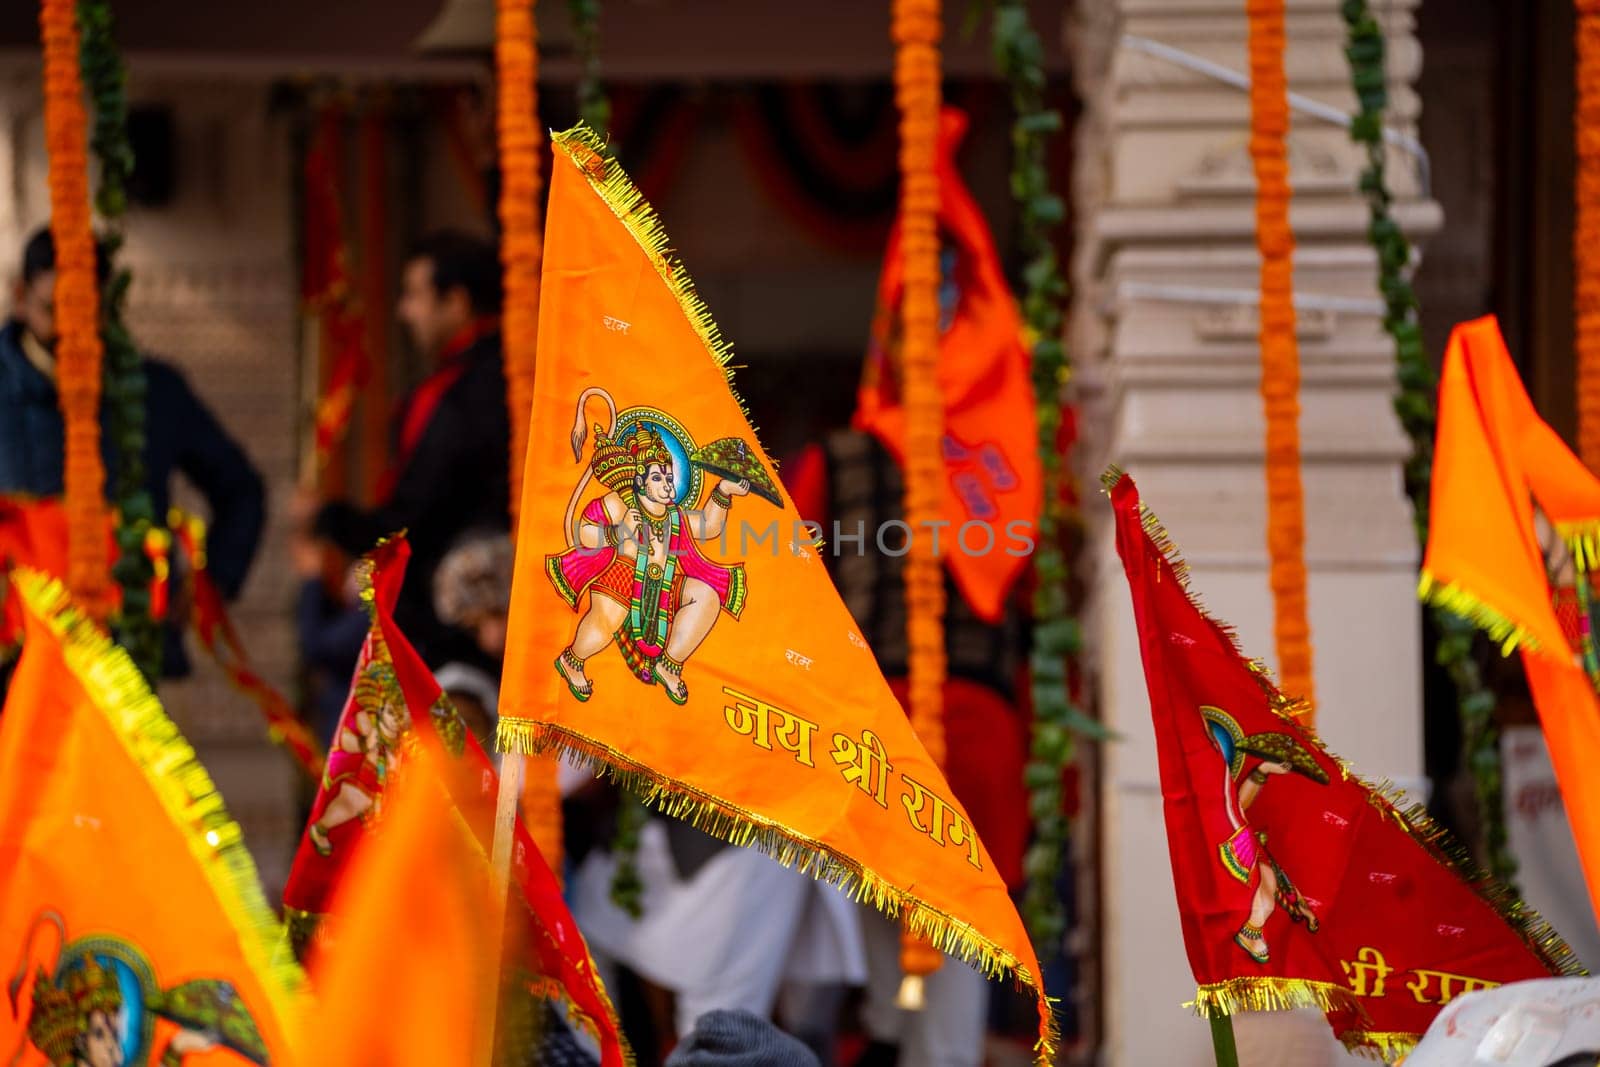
x,y
1218,999
1583,540
1389,1047
1450,596
746,829
178,781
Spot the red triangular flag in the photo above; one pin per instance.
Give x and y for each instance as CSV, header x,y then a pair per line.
x,y
1298,883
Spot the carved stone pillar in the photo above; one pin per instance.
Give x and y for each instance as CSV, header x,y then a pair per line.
x,y
1164,198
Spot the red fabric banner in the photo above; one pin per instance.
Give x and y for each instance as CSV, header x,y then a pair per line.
x,y
1299,884
393,699
328,289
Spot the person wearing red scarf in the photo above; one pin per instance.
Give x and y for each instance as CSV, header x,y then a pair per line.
x,y
451,468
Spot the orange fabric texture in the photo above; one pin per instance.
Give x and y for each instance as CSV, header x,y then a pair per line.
x,y
762,716
1280,352
1495,458
77,305
431,1004
97,784
990,445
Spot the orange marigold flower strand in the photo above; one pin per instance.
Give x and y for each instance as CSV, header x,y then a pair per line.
x,y
1586,231
917,29
1280,355
77,306
516,55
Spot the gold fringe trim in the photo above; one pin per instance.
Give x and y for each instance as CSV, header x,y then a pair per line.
x,y
593,157
180,784
1218,999
1583,540
1387,1046
746,829
1411,817
1450,596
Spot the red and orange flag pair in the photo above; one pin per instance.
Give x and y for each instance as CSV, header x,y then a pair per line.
x,y
1299,884
672,620
132,922
395,711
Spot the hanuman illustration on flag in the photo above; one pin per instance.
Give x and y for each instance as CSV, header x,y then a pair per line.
x,y
635,549
98,1004
1245,853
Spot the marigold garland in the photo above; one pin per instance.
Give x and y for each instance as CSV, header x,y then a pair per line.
x,y
1280,355
1415,405
516,56
1586,230
916,30
77,306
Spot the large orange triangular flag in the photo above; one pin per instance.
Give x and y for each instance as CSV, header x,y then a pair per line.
x,y
428,998
671,619
131,918
1495,459
993,483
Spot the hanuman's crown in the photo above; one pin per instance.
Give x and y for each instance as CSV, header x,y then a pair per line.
x,y
61,1013
612,464
615,465
377,685
647,448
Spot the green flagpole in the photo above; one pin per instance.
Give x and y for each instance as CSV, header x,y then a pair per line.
x,y
1222,1041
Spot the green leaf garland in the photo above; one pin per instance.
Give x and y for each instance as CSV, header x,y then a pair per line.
x,y
1415,404
124,376
1058,722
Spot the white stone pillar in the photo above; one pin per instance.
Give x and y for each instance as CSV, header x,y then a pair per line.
x,y
1164,196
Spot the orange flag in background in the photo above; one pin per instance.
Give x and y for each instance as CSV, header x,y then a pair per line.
x,y
132,923
427,1000
671,617
991,439
1495,458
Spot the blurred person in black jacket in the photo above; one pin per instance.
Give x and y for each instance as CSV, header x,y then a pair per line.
x,y
181,435
453,437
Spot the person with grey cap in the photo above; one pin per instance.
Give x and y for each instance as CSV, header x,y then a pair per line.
x,y
739,1039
